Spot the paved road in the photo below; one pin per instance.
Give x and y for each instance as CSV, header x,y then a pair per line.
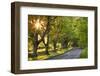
x,y
72,54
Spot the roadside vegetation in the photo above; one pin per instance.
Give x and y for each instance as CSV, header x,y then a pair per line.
x,y
84,53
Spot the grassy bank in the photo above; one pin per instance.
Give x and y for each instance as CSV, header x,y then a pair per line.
x,y
84,53
51,54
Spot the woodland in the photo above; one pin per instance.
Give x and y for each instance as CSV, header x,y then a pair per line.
x,y
50,36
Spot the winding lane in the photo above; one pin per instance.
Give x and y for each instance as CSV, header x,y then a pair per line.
x,y
72,54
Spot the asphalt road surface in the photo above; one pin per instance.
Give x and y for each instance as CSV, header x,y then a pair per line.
x,y
72,54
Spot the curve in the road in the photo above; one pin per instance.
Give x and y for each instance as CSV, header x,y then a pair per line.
x,y
72,54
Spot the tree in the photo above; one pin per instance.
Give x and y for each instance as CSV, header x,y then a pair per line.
x,y
56,28
38,25
83,32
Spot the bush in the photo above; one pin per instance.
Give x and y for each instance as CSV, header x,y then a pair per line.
x,y
84,53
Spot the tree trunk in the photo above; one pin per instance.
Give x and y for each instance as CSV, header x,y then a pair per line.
x,y
46,46
64,43
35,47
46,50
55,44
48,30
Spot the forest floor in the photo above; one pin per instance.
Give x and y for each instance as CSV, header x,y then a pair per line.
x,y
72,54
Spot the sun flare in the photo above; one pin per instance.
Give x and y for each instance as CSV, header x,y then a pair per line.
x,y
38,25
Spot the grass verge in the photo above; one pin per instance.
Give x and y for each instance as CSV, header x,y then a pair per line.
x,y
51,54
84,53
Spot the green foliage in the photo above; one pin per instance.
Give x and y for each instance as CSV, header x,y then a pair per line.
x,y
83,32
84,53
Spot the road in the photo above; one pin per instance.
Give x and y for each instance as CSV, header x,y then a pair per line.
x,y
72,54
